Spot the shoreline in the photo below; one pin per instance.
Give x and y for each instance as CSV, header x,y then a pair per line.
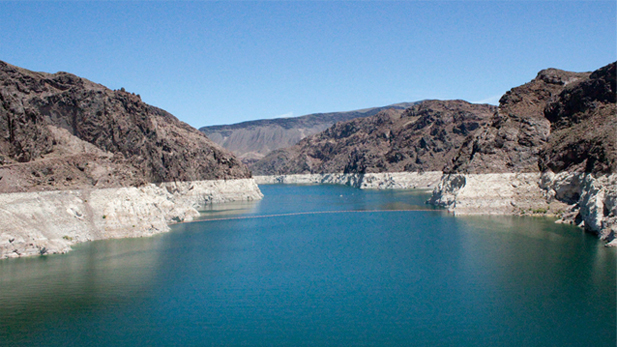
x,y
385,180
586,200
49,222
583,199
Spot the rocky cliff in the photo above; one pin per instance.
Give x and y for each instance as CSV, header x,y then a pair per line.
x,y
424,137
81,162
552,143
516,133
252,140
60,131
583,126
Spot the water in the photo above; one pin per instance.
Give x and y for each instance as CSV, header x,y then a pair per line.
x,y
407,275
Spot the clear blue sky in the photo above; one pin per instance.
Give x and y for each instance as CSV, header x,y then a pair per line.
x,y
225,62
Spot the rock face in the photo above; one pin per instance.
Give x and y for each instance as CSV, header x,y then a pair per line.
x,y
81,162
251,141
517,131
495,193
560,129
60,131
592,199
424,137
583,119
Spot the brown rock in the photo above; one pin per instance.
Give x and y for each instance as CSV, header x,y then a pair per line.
x,y
424,137
583,120
518,130
96,137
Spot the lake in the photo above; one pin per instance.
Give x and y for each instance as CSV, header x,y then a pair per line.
x,y
321,266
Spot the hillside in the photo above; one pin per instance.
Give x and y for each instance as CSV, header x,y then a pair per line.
x,y
424,137
559,121
60,131
549,149
583,121
252,140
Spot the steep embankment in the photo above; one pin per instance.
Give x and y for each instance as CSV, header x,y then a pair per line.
x,y
550,148
422,138
63,133
253,140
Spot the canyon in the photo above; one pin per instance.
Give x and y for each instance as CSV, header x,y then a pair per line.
x,y
548,149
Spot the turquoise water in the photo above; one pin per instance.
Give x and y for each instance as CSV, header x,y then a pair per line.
x,y
393,273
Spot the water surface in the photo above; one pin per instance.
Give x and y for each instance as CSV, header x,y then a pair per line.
x,y
385,270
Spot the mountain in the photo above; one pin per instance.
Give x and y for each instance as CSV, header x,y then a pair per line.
x,y
549,149
424,137
252,140
559,121
60,131
583,121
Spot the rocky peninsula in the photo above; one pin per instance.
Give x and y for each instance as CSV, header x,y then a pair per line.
x,y
81,162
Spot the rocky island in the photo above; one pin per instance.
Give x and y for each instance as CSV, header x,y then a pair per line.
x,y
548,149
81,162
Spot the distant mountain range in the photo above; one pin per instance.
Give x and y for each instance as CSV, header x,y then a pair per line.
x,y
253,140
424,137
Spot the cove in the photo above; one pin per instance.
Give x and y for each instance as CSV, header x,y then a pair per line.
x,y
321,266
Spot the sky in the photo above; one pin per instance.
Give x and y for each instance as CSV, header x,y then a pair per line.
x,y
225,62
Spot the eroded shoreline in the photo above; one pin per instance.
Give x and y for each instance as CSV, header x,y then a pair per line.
x,y
50,222
586,200
388,180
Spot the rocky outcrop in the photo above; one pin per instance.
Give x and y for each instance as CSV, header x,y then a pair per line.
x,y
81,162
49,222
253,140
424,137
583,119
60,131
516,133
500,193
592,199
549,149
393,180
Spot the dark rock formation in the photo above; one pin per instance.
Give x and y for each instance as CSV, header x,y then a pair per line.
x,y
560,121
583,120
424,137
516,133
251,141
60,131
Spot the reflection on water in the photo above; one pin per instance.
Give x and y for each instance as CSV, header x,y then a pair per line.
x,y
101,274
228,209
302,199
556,274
